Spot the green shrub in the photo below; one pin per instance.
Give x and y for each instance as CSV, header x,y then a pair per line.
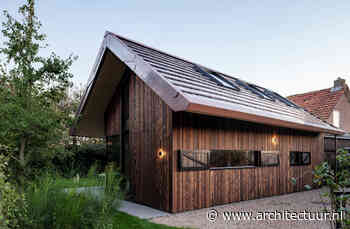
x,y
53,206
50,206
337,180
13,211
113,191
82,158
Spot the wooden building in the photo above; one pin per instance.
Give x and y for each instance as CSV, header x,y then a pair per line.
x,y
189,137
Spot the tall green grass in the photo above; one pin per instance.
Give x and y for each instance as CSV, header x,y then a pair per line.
x,y
51,205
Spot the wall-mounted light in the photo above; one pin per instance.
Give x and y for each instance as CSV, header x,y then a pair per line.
x,y
160,153
274,140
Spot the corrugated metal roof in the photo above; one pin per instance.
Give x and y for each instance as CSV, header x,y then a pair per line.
x,y
185,89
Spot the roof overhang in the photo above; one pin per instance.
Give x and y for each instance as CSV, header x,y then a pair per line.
x,y
98,94
112,60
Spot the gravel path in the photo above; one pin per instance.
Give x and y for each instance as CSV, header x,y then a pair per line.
x,y
310,201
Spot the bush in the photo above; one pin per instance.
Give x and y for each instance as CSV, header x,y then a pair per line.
x,y
83,157
337,181
53,206
13,211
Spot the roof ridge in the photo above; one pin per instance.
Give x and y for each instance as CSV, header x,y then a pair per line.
x,y
177,57
147,46
193,104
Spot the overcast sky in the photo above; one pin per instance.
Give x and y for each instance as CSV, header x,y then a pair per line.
x,y
288,46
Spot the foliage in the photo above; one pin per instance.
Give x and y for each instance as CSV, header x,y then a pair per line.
x,y
84,156
53,204
73,183
33,91
13,208
336,181
52,207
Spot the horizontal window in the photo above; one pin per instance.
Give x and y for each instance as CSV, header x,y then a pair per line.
x,y
193,160
299,158
233,158
216,159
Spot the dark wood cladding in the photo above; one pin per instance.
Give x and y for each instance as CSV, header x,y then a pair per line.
x,y
150,129
157,182
200,189
113,115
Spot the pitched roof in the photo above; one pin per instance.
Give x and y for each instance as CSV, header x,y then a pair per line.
x,y
185,88
320,103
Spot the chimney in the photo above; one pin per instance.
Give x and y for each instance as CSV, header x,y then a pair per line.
x,y
339,84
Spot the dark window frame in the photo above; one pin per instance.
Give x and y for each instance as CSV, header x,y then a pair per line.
x,y
217,78
299,158
232,156
257,155
269,152
263,93
183,154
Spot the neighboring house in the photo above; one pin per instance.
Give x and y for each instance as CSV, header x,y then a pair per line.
x,y
331,105
189,137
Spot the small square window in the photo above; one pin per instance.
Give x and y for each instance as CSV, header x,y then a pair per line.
x,y
300,158
269,158
293,158
306,160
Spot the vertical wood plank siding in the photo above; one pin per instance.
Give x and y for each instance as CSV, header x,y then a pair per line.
x,y
200,189
150,129
159,183
113,115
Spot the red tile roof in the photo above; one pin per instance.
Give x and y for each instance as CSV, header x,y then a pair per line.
x,y
320,103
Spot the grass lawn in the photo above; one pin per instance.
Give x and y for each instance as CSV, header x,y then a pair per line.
x,y
125,221
71,183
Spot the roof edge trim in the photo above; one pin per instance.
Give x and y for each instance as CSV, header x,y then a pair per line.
x,y
251,117
171,96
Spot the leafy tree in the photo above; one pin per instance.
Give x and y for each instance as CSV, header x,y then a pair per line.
x,y
33,91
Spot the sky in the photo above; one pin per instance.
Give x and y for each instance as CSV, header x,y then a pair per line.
x,y
287,46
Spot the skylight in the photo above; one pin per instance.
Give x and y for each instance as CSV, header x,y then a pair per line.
x,y
284,100
280,98
223,82
261,92
254,90
217,78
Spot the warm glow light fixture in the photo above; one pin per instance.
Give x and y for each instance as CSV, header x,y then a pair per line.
x,y
160,154
274,140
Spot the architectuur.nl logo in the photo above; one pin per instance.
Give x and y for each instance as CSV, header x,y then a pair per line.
x,y
286,215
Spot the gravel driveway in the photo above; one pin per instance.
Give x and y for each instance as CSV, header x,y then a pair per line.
x,y
310,201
